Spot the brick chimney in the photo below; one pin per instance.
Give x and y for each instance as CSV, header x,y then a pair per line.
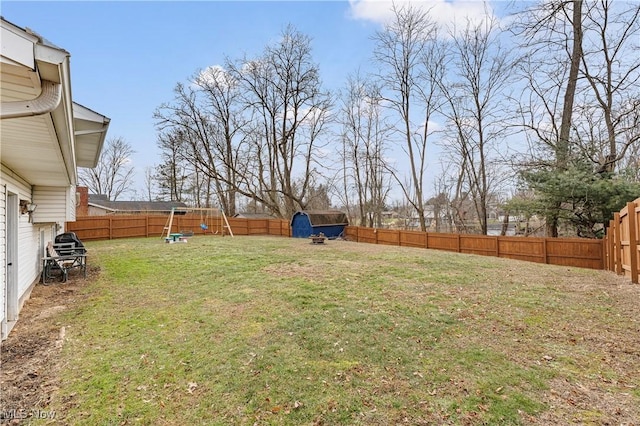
x,y
82,201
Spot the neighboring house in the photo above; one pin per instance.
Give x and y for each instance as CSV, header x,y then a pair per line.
x,y
45,136
99,205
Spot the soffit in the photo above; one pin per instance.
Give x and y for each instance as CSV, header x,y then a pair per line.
x,y
29,145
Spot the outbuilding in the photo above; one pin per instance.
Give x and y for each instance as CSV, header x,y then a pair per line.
x,y
313,222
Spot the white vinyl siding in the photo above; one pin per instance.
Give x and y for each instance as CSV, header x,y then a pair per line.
x,y
55,204
28,254
3,245
29,259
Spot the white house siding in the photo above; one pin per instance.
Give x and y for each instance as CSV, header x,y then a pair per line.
x,y
29,257
3,262
55,204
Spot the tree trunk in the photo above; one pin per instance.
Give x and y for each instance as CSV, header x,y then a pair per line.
x,y
562,149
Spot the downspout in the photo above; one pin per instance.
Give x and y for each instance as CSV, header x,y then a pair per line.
x,y
48,100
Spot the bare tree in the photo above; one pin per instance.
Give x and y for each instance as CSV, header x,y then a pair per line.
x,y
611,67
113,176
476,110
562,155
171,175
204,130
364,132
318,198
441,205
579,107
402,50
221,100
149,184
284,100
630,166
254,128
550,27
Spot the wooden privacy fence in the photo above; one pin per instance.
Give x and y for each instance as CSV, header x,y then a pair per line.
x,y
90,228
622,240
578,252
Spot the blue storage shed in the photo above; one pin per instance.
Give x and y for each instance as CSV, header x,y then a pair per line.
x,y
312,222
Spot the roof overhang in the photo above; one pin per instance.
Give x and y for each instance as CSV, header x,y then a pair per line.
x,y
90,133
41,141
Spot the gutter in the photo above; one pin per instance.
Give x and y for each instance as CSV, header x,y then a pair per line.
x,y
48,100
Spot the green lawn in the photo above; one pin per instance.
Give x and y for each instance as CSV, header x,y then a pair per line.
x,y
262,330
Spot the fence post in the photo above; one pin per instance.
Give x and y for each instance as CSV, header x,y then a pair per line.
x,y
612,246
605,250
633,241
618,242
497,246
458,234
544,250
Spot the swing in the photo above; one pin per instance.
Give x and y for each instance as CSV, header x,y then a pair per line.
x,y
203,222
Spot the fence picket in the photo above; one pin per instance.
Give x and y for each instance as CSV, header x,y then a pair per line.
x,y
633,241
618,243
611,249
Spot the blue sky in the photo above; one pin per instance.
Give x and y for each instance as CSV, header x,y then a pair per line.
x,y
126,57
